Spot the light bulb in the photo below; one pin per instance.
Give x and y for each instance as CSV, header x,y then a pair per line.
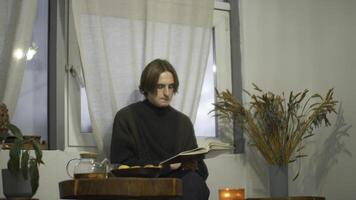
x,y
18,54
30,53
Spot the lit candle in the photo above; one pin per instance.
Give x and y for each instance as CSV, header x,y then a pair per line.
x,y
231,194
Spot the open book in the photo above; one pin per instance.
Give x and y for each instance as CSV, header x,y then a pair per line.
x,y
211,150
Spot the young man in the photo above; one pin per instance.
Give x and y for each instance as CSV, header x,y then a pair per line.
x,y
151,131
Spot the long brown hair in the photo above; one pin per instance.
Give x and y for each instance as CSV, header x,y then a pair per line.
x,y
151,73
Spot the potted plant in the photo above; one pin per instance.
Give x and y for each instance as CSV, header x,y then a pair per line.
x,y
22,166
276,125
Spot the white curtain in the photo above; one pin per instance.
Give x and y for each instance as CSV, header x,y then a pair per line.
x,y
117,38
16,23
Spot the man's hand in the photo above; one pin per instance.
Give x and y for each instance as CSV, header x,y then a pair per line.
x,y
175,166
186,165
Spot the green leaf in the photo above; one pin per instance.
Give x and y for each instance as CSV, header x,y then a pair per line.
x,y
15,131
24,164
3,135
38,152
34,175
15,152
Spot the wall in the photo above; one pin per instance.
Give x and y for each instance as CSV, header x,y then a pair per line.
x,y
293,45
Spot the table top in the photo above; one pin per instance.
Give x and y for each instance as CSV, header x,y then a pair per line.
x,y
120,187
289,198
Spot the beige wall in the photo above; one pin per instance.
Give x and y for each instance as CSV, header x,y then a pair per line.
x,y
297,44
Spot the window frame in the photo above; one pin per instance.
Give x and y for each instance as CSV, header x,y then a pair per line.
x,y
58,119
222,61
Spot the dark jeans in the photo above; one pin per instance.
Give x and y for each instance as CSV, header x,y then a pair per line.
x,y
194,186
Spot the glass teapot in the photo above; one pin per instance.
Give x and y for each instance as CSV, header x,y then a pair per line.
x,y
88,167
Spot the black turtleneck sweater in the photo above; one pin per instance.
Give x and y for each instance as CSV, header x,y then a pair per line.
x,y
146,134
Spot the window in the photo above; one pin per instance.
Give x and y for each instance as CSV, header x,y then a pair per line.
x,y
218,75
31,114
78,130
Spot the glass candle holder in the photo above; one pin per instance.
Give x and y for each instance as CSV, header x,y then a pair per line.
x,y
231,194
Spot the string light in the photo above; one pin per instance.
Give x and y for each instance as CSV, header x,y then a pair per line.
x,y
31,52
18,54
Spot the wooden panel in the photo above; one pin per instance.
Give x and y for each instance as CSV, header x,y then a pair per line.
x,y
113,188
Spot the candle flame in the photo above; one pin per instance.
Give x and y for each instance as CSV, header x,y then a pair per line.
x,y
227,194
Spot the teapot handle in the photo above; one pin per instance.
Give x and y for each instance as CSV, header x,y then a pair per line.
x,y
67,166
107,164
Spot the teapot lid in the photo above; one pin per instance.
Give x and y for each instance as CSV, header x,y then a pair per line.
x,y
87,154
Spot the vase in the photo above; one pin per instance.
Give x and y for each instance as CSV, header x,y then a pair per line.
x,y
15,186
278,180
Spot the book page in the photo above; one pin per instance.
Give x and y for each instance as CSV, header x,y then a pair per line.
x,y
212,150
199,150
219,145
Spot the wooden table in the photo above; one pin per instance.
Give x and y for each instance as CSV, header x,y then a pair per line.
x,y
120,187
290,198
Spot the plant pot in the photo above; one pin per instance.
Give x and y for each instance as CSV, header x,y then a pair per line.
x,y
278,180
14,185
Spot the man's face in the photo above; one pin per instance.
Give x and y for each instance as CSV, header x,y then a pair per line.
x,y
164,92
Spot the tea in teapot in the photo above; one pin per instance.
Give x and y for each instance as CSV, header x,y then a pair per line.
x,y
88,167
